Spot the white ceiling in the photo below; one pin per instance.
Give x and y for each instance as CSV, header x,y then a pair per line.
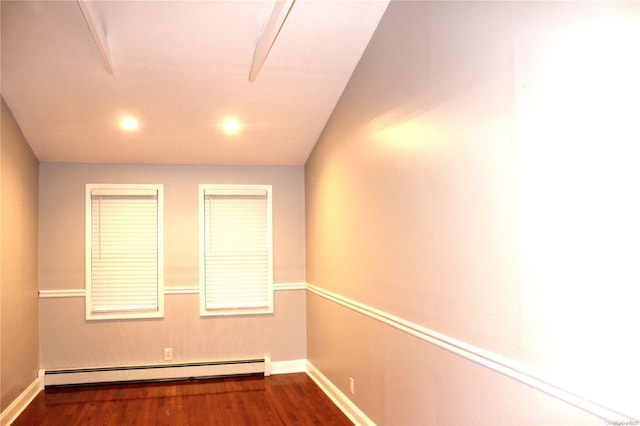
x,y
181,67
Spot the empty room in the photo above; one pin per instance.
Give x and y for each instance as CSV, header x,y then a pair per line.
x,y
320,212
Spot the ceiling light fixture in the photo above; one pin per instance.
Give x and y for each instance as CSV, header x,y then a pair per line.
x,y
231,126
129,124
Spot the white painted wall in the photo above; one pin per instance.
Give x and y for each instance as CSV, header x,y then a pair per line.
x,y
419,205
19,247
67,340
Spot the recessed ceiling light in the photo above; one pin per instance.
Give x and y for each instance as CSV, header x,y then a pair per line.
x,y
231,126
129,124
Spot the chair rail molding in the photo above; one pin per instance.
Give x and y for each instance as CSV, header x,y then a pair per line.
x,y
480,356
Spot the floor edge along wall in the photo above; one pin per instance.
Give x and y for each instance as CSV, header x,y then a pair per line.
x,y
146,373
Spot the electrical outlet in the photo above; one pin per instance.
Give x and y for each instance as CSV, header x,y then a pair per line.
x,y
352,385
168,354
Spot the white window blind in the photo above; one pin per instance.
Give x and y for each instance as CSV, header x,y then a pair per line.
x,y
124,251
236,250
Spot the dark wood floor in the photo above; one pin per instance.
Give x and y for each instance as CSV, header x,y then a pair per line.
x,y
288,399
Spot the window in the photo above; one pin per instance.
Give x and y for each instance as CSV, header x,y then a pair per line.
x,y
236,260
124,251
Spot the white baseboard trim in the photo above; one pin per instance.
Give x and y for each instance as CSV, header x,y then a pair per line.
x,y
482,357
151,372
11,413
288,367
339,399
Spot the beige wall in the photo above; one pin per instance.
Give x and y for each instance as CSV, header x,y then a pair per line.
x,y
19,289
411,209
67,340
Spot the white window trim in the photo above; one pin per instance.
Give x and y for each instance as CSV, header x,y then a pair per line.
x,y
124,189
236,189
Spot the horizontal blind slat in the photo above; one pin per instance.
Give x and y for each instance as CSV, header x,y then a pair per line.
x,y
124,252
236,253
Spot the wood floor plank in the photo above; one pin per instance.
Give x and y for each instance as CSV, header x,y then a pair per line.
x,y
288,399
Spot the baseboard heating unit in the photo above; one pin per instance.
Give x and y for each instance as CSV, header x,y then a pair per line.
x,y
156,372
